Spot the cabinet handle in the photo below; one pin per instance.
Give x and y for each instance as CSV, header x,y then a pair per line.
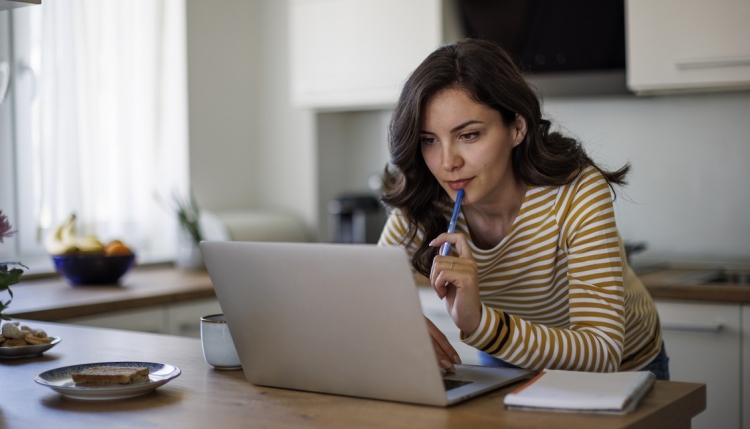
x,y
692,327
705,63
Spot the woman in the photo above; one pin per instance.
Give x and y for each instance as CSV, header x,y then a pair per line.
x,y
538,276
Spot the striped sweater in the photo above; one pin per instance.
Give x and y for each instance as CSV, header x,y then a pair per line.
x,y
557,291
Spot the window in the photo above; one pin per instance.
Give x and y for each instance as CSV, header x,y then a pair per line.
x,y
94,121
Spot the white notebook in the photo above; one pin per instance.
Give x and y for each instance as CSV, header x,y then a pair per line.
x,y
574,391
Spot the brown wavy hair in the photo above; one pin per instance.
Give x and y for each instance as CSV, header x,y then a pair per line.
x,y
490,76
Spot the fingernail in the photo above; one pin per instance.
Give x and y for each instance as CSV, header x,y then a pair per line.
x,y
432,242
445,364
456,359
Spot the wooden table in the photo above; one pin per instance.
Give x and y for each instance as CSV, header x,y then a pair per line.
x,y
202,397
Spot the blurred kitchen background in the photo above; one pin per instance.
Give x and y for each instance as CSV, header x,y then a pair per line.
x,y
288,104
275,114
299,93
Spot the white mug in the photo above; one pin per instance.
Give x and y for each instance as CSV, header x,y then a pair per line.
x,y
218,347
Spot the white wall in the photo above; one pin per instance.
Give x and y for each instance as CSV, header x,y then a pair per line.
x,y
287,153
248,148
689,191
688,196
223,38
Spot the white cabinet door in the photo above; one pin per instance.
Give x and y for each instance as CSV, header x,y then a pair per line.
x,y
150,319
703,343
348,54
687,45
183,319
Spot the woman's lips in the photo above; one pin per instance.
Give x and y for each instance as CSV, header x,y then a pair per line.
x,y
458,184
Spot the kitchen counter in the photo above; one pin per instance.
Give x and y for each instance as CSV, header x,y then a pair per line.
x,y
202,397
54,299
695,285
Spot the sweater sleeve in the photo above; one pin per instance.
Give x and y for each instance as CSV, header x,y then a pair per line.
x,y
394,231
593,341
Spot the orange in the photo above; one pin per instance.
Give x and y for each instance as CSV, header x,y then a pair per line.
x,y
118,248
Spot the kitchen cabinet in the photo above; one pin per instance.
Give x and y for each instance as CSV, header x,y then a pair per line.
x,y
687,45
348,54
149,319
704,341
181,318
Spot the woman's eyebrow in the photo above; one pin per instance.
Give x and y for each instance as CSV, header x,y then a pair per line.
x,y
465,124
458,127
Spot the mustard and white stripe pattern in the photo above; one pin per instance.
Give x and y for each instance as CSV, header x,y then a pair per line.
x,y
557,291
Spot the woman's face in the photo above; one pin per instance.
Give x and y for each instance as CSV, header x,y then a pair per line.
x,y
466,145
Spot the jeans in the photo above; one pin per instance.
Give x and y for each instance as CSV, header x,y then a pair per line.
x,y
659,366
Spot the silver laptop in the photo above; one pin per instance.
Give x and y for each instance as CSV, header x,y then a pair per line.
x,y
336,318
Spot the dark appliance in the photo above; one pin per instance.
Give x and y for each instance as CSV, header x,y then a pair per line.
x,y
356,218
556,41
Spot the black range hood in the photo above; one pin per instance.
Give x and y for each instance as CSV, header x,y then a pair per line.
x,y
568,42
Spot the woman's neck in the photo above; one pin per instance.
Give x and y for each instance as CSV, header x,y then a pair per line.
x,y
489,223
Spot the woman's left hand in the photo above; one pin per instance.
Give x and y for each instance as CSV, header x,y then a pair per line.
x,y
456,280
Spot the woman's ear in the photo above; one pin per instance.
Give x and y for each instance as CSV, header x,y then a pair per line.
x,y
518,128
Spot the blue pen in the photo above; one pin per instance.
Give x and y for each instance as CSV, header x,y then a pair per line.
x,y
446,248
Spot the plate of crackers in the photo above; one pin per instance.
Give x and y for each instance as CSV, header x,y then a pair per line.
x,y
107,380
20,341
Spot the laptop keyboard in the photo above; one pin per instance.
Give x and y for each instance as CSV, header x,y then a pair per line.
x,y
452,384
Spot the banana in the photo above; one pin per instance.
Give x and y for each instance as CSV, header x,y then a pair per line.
x,y
68,234
89,244
64,240
60,240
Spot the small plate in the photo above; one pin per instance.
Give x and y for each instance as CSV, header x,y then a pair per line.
x,y
27,351
61,380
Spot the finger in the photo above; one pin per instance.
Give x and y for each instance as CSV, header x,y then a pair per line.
x,y
445,237
442,359
445,348
441,341
449,278
462,248
438,265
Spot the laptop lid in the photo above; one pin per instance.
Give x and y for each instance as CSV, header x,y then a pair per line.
x,y
332,318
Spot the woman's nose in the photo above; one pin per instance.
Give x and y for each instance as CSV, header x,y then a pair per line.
x,y
451,159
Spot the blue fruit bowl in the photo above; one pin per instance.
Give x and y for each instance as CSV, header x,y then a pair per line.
x,y
93,269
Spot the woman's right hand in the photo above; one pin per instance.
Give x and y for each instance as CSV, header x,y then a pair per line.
x,y
456,279
444,352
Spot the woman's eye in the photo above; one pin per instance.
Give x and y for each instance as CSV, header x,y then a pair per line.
x,y
470,136
427,140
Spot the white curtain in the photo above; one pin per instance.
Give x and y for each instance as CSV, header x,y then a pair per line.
x,y
109,120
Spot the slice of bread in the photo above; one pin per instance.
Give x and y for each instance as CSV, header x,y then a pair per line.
x,y
110,376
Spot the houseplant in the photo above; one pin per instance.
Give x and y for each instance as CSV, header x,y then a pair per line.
x,y
10,273
188,216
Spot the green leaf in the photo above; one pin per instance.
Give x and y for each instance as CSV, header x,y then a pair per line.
x,y
8,278
3,306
